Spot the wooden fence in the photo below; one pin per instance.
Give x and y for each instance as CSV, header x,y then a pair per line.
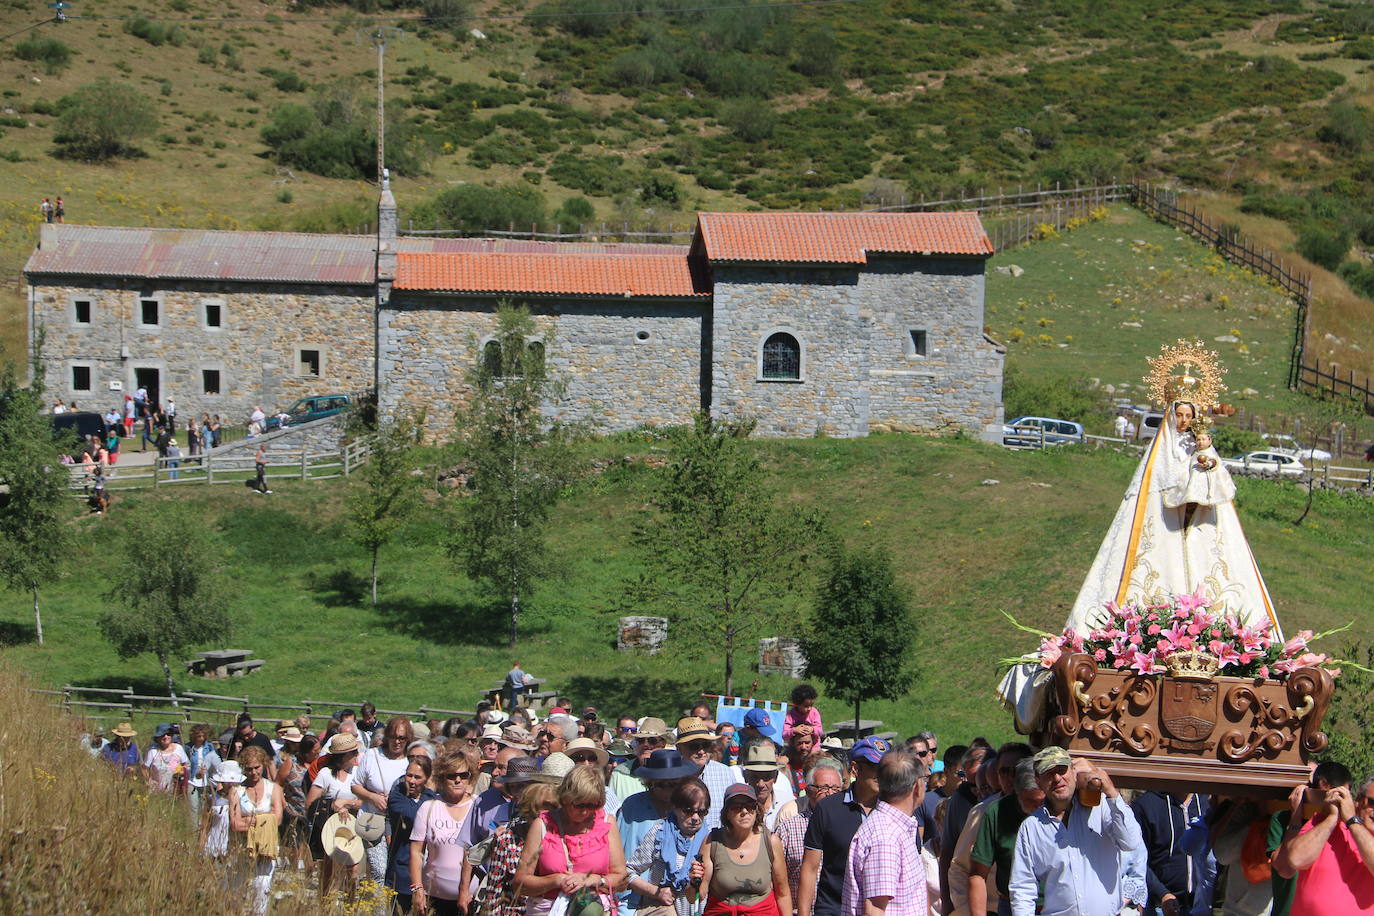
x,y
234,467
1333,382
102,704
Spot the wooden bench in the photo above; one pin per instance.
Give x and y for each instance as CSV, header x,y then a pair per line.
x,y
239,669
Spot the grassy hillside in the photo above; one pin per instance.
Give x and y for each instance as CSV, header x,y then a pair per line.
x,y
648,111
966,549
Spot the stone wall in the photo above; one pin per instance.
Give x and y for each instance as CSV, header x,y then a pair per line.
x,y
316,438
255,347
859,368
622,363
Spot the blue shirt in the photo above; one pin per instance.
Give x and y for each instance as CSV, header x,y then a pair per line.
x,y
122,759
1079,864
635,820
490,810
401,810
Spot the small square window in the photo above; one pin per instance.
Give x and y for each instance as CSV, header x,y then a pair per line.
x,y
81,378
310,363
214,315
209,381
151,311
82,311
918,344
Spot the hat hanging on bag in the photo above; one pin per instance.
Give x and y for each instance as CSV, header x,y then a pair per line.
x,y
340,842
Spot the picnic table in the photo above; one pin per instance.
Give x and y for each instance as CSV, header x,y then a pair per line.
x,y
538,697
848,728
224,663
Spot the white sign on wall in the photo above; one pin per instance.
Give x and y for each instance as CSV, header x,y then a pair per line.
x,y
116,385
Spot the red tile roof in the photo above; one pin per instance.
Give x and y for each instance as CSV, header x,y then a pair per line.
x,y
838,238
568,274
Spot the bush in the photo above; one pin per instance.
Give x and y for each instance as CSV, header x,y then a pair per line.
x,y
336,136
51,53
156,33
1287,207
751,120
451,15
1236,440
101,121
1359,277
818,55
475,208
1324,244
1347,126
285,80
1064,397
575,212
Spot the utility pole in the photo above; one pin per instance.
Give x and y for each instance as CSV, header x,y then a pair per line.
x,y
379,38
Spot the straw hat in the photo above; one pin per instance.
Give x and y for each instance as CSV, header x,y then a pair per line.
x,y
342,743
555,767
341,843
124,730
588,745
651,728
691,728
290,734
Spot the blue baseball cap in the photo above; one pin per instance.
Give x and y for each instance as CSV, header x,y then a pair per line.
x,y
870,749
937,767
163,728
757,718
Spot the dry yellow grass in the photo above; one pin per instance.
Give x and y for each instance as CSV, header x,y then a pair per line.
x,y
1341,326
76,838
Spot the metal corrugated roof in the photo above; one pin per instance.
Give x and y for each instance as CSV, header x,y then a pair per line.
x,y
205,254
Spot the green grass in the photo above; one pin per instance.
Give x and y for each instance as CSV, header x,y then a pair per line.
x,y
967,552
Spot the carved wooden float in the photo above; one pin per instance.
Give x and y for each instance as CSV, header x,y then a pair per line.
x,y
1241,736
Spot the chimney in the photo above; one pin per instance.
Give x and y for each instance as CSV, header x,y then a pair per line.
x,y
386,240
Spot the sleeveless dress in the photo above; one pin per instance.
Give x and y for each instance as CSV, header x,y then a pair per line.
x,y
590,853
217,837
737,889
260,868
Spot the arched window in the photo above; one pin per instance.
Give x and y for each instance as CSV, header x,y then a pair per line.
x,y
781,357
491,359
536,349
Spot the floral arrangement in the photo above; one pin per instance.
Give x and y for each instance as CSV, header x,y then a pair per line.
x,y
1140,638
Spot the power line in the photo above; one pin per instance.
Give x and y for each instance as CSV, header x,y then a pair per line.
x,y
357,18
27,28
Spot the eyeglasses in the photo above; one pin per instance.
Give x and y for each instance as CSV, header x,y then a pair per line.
x,y
695,812
823,789
454,777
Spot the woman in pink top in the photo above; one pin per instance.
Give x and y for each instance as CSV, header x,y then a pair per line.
x,y
803,710
434,837
573,847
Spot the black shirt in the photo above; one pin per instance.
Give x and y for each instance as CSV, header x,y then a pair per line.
x,y
237,744
831,830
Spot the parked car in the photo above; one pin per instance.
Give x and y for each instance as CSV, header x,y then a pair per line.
x,y
1282,442
1274,461
72,428
1030,432
307,409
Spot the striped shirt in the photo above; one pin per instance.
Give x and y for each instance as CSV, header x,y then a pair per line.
x,y
791,833
885,861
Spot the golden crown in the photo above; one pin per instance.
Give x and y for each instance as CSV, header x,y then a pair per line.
x,y
1191,663
1186,371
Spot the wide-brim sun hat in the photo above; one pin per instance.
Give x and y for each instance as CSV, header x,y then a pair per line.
x,y
516,737
692,728
586,745
290,734
555,767
519,770
341,841
229,772
343,743
124,730
651,728
666,763
491,733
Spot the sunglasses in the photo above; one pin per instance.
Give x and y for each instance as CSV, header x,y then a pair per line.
x,y
752,776
923,753
698,812
627,728
584,758
586,806
696,747
735,809
454,777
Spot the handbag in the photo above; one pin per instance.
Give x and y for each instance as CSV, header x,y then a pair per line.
x,y
370,826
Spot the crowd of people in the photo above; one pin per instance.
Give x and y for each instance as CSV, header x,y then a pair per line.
x,y
505,814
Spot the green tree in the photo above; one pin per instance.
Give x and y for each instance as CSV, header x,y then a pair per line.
x,y
168,592
33,537
862,630
101,121
1331,411
520,463
720,551
384,493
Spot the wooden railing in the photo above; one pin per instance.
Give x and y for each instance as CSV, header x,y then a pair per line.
x,y
234,467
119,703
1313,378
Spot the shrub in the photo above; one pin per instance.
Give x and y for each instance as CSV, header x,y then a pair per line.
x,y
285,80
818,54
475,208
156,33
574,212
751,120
1065,397
1323,243
1347,126
207,55
101,121
1236,440
1359,277
335,136
51,53
1286,207
451,15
